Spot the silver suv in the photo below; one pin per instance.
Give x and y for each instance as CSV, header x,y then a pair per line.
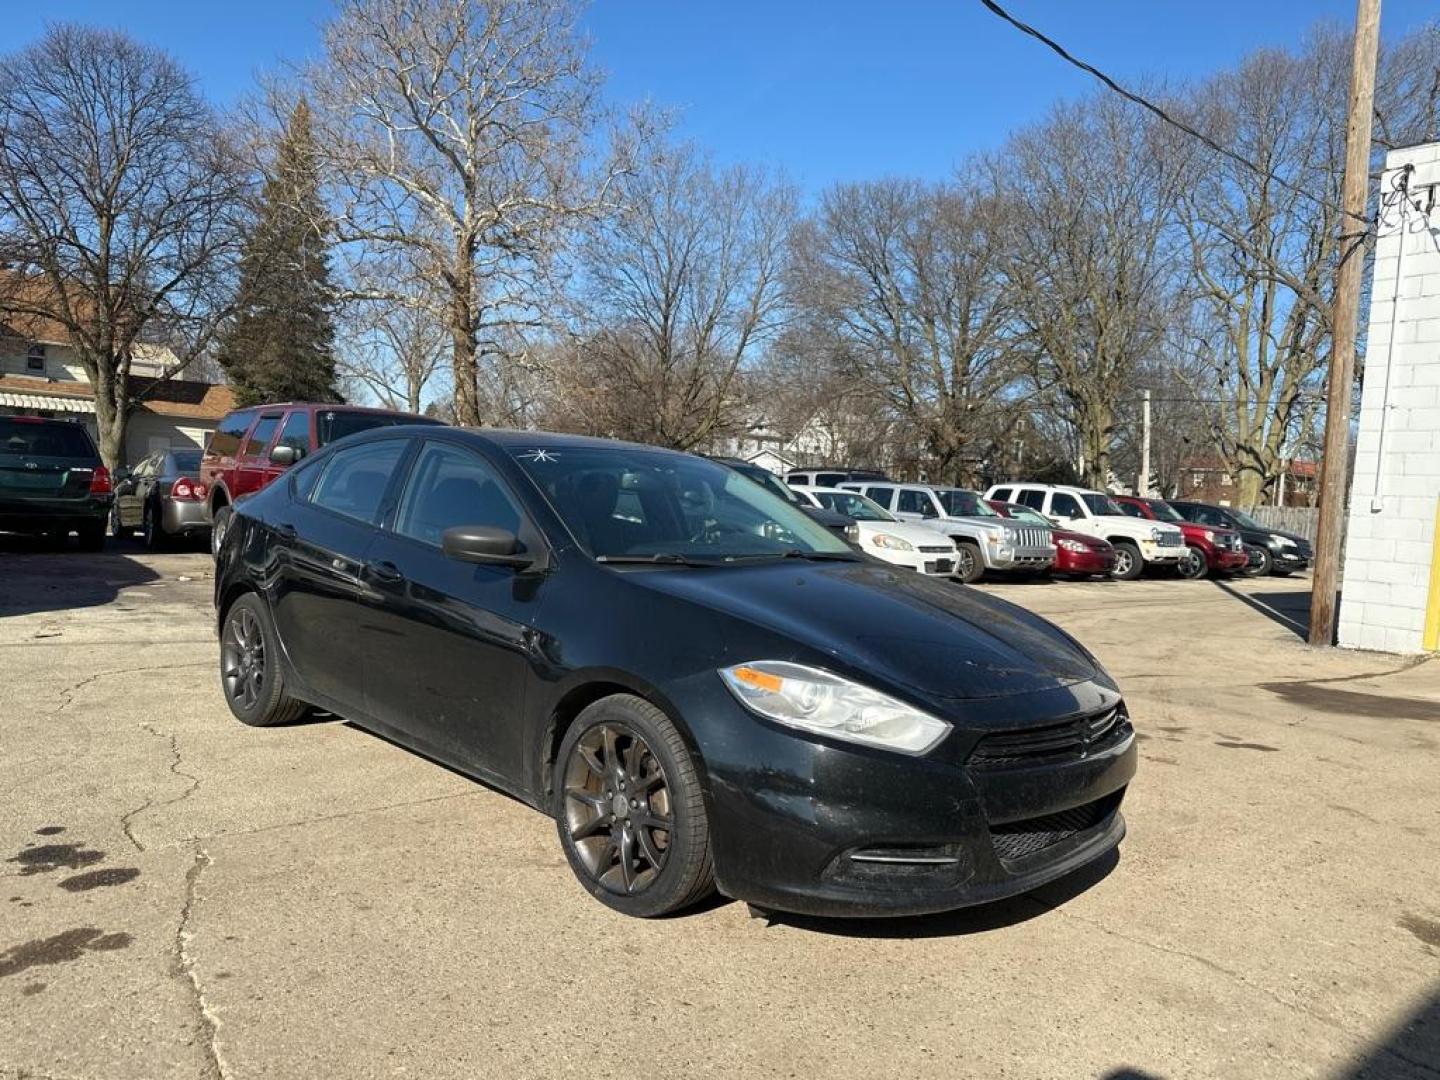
x,y
983,539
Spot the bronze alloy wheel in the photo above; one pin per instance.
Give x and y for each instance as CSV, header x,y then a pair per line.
x,y
617,808
242,658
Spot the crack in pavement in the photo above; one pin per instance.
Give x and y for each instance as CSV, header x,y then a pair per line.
x,y
127,818
67,694
184,968
319,818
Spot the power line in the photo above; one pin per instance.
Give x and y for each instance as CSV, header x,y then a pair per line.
x,y
1130,95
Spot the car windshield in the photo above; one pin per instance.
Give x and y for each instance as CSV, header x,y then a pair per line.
x,y
187,461
336,424
1246,521
770,482
1030,517
853,504
961,503
28,438
1101,504
1162,510
629,503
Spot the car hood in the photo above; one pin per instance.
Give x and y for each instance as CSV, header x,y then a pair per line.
x,y
934,637
916,534
1092,542
1129,526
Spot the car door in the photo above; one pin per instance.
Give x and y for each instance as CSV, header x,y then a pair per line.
x,y
915,504
450,649
321,604
253,469
1067,512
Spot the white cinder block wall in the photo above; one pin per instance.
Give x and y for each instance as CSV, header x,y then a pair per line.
x,y
1389,541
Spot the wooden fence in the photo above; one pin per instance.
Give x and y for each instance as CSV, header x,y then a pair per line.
x,y
1295,519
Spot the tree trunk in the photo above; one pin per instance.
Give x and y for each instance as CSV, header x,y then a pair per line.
x,y
462,332
110,420
1250,487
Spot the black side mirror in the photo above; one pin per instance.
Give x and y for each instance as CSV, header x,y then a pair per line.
x,y
284,455
487,544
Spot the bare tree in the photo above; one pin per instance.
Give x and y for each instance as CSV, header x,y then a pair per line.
x,y
1089,259
678,290
455,131
905,277
118,203
398,346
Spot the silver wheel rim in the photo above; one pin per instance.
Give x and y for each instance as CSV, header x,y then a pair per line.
x,y
242,658
965,562
618,809
1123,562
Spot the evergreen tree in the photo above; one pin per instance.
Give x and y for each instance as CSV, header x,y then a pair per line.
x,y
279,345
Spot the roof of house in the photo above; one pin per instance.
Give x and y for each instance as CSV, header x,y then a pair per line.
x,y
184,398
1295,467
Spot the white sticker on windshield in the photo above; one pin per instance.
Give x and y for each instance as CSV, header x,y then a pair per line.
x,y
539,456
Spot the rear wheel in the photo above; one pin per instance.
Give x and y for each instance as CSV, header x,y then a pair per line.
x,y
968,563
218,525
1128,563
152,529
629,809
250,671
1193,564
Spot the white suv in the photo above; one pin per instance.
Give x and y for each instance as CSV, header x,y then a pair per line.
x,y
983,539
1138,542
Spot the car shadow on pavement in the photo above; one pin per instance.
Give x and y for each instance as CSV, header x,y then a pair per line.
x,y
963,921
35,578
1409,1051
1288,609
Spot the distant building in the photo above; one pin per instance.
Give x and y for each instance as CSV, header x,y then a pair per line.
x,y
779,451
41,376
1208,480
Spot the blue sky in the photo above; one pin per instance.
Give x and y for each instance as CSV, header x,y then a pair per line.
x,y
827,91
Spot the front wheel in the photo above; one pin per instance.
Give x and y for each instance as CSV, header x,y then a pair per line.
x,y
1128,563
1192,564
968,563
218,525
630,811
1261,561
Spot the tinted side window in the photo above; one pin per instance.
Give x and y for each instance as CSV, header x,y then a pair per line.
x,y
1002,495
354,480
829,479
881,495
226,439
798,481
260,438
1205,516
296,433
1031,497
916,502
1063,505
1130,509
450,486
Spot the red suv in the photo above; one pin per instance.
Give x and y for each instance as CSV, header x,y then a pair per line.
x,y
1208,549
253,446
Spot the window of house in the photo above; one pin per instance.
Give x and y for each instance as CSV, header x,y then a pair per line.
x,y
1224,479
1197,479
35,357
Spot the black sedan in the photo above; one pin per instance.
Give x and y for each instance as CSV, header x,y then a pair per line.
x,y
705,688
163,497
1272,551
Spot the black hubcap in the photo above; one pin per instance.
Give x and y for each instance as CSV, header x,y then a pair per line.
x,y
617,808
242,656
1193,564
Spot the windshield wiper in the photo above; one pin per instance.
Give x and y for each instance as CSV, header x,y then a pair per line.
x,y
660,558
797,553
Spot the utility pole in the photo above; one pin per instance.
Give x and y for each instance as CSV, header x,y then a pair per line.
x,y
1143,487
1335,464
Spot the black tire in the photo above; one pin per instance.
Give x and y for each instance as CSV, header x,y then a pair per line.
x,y
1129,564
92,535
251,675
156,539
1193,565
969,565
1261,561
219,523
117,529
627,864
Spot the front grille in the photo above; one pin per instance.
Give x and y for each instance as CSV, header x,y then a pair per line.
x,y
1052,744
1171,538
940,566
1031,537
940,550
1018,839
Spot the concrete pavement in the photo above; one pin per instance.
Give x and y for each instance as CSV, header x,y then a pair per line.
x,y
187,897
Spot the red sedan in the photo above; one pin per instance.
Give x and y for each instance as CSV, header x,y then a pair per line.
x,y
1075,553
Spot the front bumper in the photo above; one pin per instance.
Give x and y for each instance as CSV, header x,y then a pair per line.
x,y
180,517
826,829
1084,562
1292,559
1225,560
1152,552
932,564
1017,558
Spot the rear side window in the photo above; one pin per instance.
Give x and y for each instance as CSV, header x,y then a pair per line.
x,y
44,438
449,487
916,502
1001,495
881,495
354,480
226,440
798,480
260,438
830,479
1032,498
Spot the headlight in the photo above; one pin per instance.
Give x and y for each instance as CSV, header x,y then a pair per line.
x,y
892,543
1281,541
1072,545
813,700
1209,536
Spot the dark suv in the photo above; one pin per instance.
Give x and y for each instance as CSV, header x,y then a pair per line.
x,y
251,447
1272,551
52,481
